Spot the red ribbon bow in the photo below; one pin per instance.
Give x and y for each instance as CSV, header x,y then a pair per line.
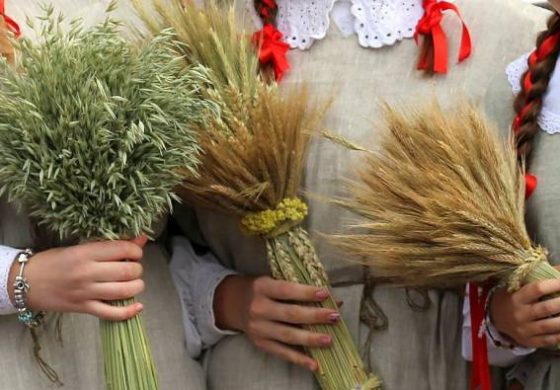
x,y
272,49
10,23
430,26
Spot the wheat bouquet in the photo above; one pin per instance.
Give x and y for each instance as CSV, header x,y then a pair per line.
x,y
442,203
93,131
254,153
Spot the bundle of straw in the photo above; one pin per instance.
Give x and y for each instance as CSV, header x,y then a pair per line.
x,y
93,131
443,204
253,158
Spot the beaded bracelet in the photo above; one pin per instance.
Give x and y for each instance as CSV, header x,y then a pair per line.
x,y
21,287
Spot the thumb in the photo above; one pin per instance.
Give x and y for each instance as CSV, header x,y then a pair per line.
x,y
140,241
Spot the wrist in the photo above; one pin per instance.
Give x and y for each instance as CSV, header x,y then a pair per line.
x,y
494,318
228,302
497,325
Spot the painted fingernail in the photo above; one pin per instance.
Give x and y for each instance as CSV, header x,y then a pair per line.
x,y
312,366
326,340
322,294
334,317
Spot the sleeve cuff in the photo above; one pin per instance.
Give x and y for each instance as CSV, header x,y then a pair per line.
x,y
497,339
497,356
7,256
196,278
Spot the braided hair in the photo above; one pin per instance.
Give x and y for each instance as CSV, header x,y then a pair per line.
x,y
267,11
534,84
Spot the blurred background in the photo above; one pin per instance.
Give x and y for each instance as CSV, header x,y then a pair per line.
x,y
540,3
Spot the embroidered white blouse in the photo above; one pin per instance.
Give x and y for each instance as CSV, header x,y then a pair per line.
x,y
377,23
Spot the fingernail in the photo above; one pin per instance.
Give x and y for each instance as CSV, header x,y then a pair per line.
x,y
139,307
326,340
334,317
312,366
322,294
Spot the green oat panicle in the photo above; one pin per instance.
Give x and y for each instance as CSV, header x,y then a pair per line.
x,y
93,128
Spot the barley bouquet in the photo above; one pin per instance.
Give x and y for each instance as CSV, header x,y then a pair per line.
x,y
254,153
93,131
442,203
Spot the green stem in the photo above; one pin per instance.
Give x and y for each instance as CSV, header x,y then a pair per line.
x,y
292,257
129,364
542,271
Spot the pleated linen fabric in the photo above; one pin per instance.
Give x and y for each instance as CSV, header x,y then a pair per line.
x,y
419,350
79,360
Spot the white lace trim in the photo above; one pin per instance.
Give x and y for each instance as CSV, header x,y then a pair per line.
x,y
549,118
303,22
384,22
377,23
549,121
515,70
7,256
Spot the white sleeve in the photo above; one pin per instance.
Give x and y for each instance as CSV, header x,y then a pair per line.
x,y
196,278
7,257
497,356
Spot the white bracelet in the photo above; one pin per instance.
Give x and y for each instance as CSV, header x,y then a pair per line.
x,y
21,287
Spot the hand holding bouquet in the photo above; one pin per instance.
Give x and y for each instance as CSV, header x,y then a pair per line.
x,y
93,132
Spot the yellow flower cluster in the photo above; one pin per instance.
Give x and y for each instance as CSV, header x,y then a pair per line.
x,y
267,221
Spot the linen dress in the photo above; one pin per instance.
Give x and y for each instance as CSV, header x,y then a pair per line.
x,y
419,349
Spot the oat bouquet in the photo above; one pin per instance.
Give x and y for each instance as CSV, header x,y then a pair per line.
x,y
93,132
253,158
442,202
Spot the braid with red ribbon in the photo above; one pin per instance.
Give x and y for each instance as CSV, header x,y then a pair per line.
x,y
534,84
272,50
267,11
528,105
434,53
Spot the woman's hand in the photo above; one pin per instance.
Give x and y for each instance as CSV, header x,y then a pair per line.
x,y
271,313
82,278
528,316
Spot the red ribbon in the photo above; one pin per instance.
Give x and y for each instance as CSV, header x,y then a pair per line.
x,y
430,26
267,7
272,49
540,53
480,374
530,185
10,23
